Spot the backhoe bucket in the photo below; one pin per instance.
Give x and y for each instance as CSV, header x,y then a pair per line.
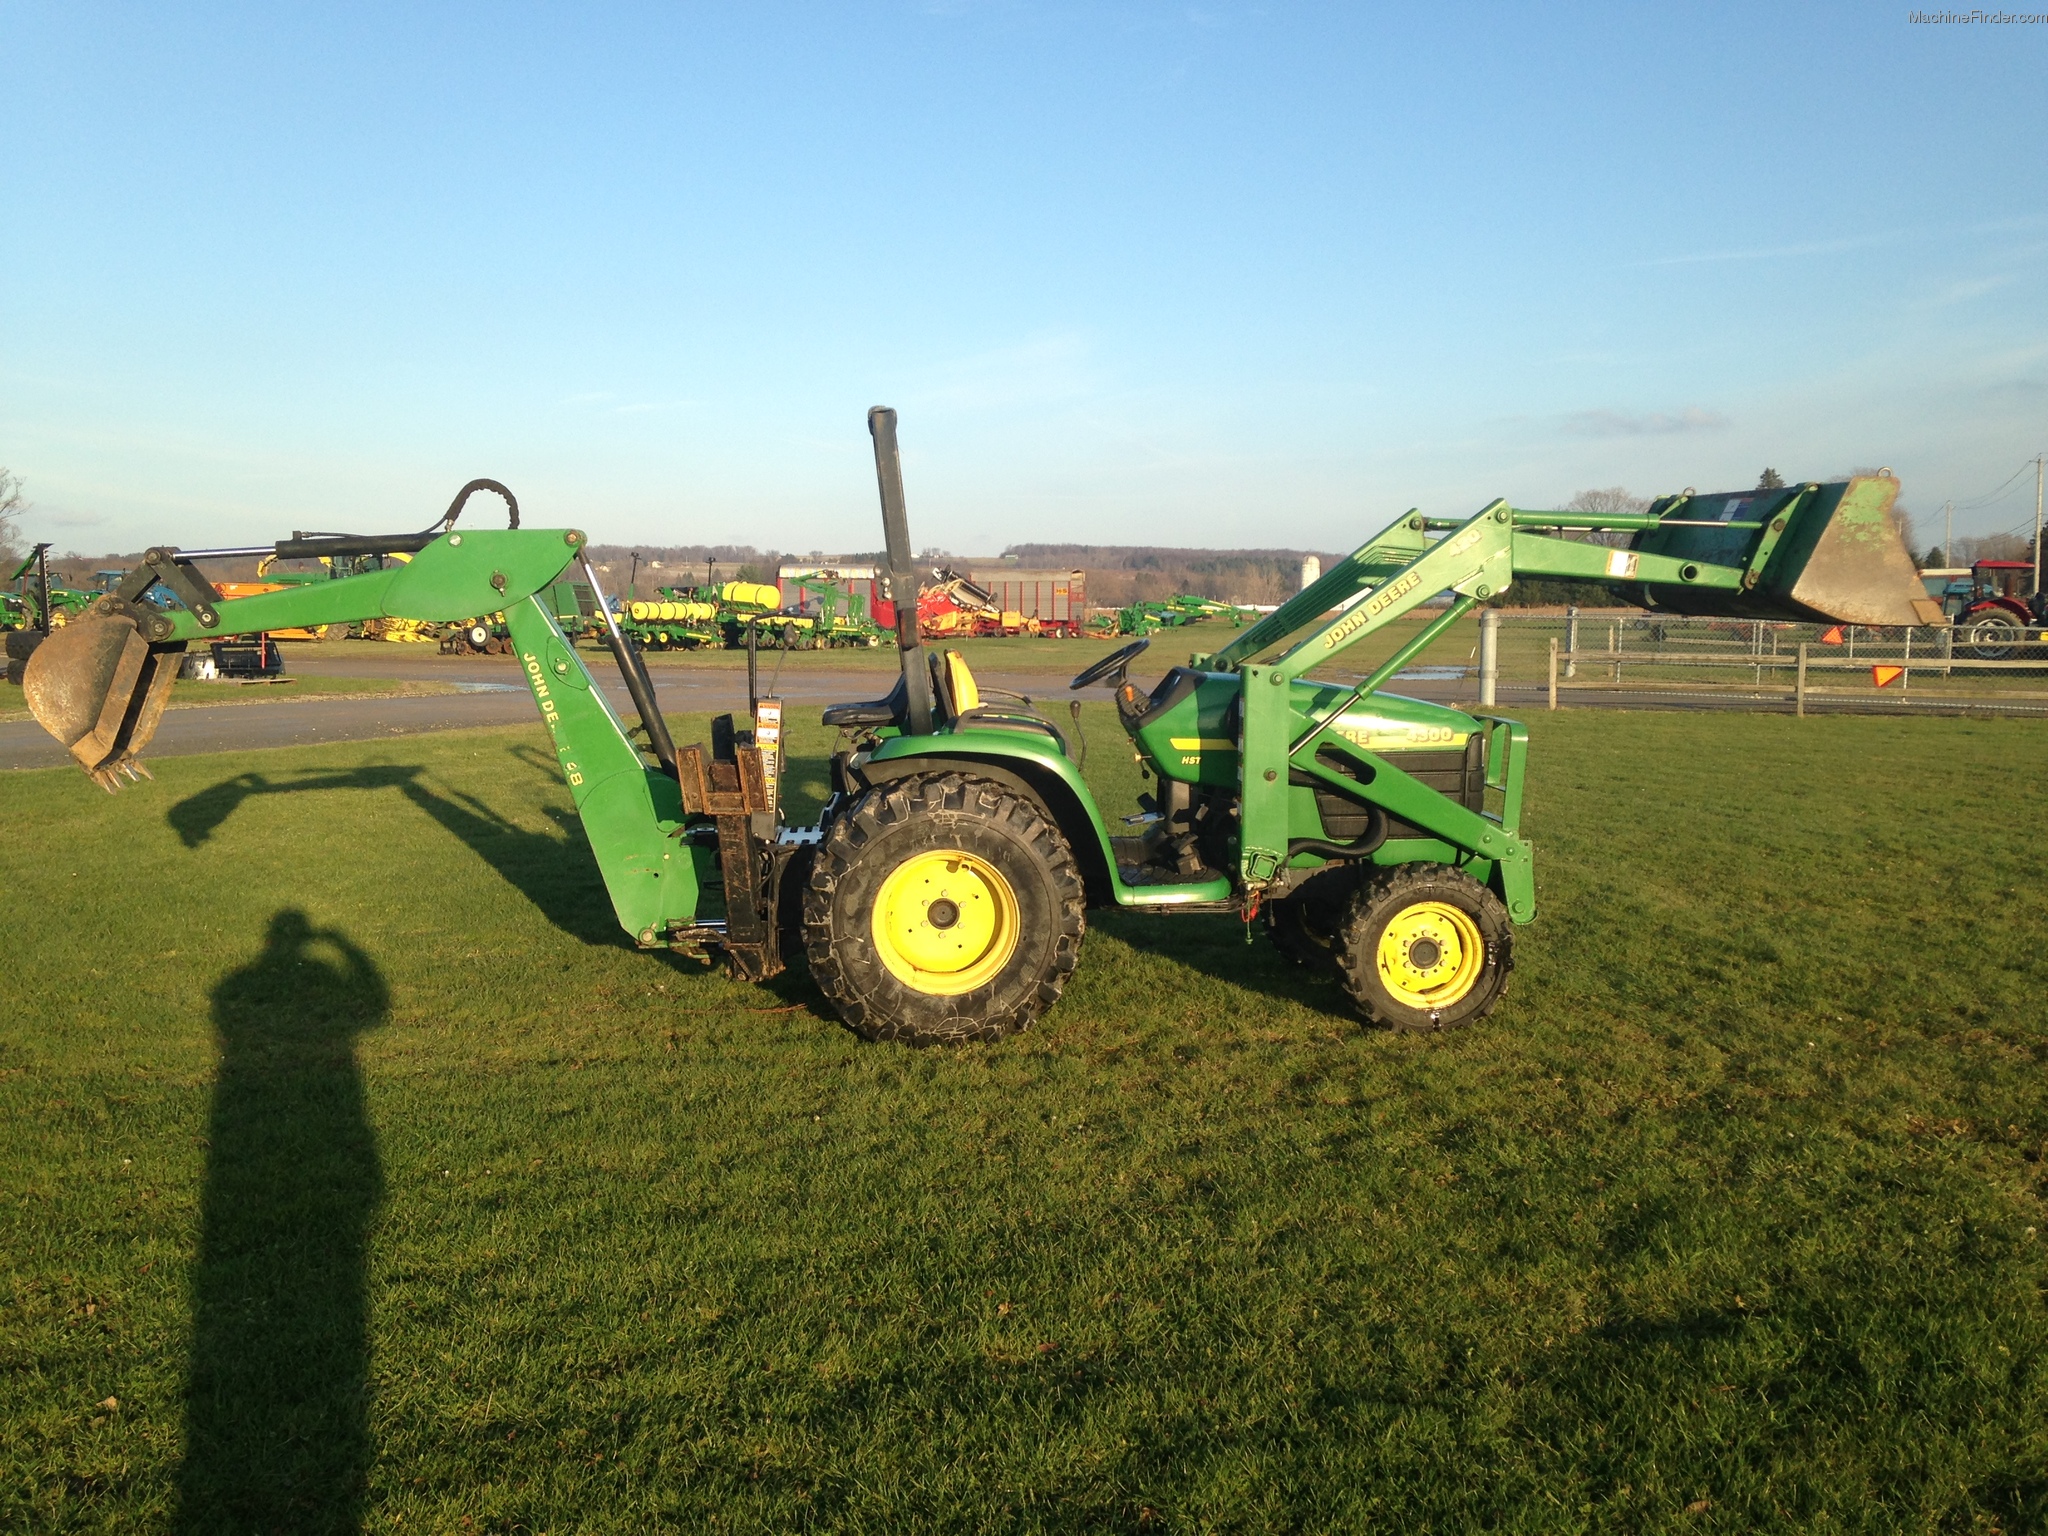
x,y
1829,553
100,688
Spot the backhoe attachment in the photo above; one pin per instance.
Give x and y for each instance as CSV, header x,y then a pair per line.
x,y
100,683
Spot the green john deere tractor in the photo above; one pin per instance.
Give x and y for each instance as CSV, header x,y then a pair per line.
x,y
944,893
837,617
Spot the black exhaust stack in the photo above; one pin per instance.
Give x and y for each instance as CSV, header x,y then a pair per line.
x,y
903,583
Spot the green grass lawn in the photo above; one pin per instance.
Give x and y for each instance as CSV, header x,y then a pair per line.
x,y
358,1176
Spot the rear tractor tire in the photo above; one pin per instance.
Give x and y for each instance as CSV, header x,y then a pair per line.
x,y
1993,636
1424,947
943,909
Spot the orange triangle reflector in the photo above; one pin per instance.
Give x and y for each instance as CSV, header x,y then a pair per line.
x,y
1833,636
1882,676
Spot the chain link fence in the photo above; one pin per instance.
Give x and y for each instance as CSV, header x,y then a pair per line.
x,y
1626,657
1803,667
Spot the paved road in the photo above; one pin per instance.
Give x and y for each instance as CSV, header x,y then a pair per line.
x,y
494,695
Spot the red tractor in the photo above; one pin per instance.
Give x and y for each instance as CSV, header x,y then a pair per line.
x,y
1994,607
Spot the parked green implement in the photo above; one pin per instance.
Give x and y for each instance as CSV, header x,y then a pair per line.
x,y
34,609
944,893
35,604
1148,618
751,608
672,621
1133,619
1194,606
837,617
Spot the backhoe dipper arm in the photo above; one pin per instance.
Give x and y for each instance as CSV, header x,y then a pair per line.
x,y
632,811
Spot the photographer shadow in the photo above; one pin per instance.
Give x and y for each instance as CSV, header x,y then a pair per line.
x,y
277,1433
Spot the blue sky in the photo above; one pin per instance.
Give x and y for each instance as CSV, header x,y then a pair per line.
x,y
1132,274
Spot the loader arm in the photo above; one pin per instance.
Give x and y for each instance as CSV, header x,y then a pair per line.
x,y
1814,551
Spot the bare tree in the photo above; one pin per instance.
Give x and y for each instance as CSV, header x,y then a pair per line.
x,y
1992,546
12,505
1615,498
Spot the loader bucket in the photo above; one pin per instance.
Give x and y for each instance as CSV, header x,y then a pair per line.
x,y
1830,553
99,687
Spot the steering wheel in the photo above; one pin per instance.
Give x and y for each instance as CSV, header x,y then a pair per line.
x,y
1111,668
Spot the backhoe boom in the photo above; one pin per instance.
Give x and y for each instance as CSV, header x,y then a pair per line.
x,y
99,684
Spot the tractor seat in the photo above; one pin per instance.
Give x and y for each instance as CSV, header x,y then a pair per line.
x,y
956,700
893,708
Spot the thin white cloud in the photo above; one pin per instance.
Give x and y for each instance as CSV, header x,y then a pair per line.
x,y
1648,424
1962,293
39,520
1777,252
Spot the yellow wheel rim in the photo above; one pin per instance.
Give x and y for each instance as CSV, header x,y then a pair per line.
x,y
945,923
1430,955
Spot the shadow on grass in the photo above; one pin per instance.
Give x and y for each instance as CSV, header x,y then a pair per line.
x,y
277,1397
555,872
1215,946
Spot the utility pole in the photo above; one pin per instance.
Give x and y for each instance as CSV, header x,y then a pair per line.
x,y
1948,537
2038,460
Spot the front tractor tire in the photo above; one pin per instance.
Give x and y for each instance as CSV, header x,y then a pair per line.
x,y
943,909
1425,947
1304,924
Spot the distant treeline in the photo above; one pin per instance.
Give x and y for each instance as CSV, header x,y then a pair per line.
x,y
681,565
1128,573
1117,574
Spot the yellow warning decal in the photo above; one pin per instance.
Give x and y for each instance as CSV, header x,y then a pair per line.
x,y
1201,744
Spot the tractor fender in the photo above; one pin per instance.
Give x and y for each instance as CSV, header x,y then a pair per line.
x,y
2017,609
1041,784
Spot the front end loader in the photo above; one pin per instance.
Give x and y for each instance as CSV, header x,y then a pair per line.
x,y
943,894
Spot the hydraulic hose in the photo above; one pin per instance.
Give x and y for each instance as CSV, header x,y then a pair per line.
x,y
311,546
638,685
1366,842
455,507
